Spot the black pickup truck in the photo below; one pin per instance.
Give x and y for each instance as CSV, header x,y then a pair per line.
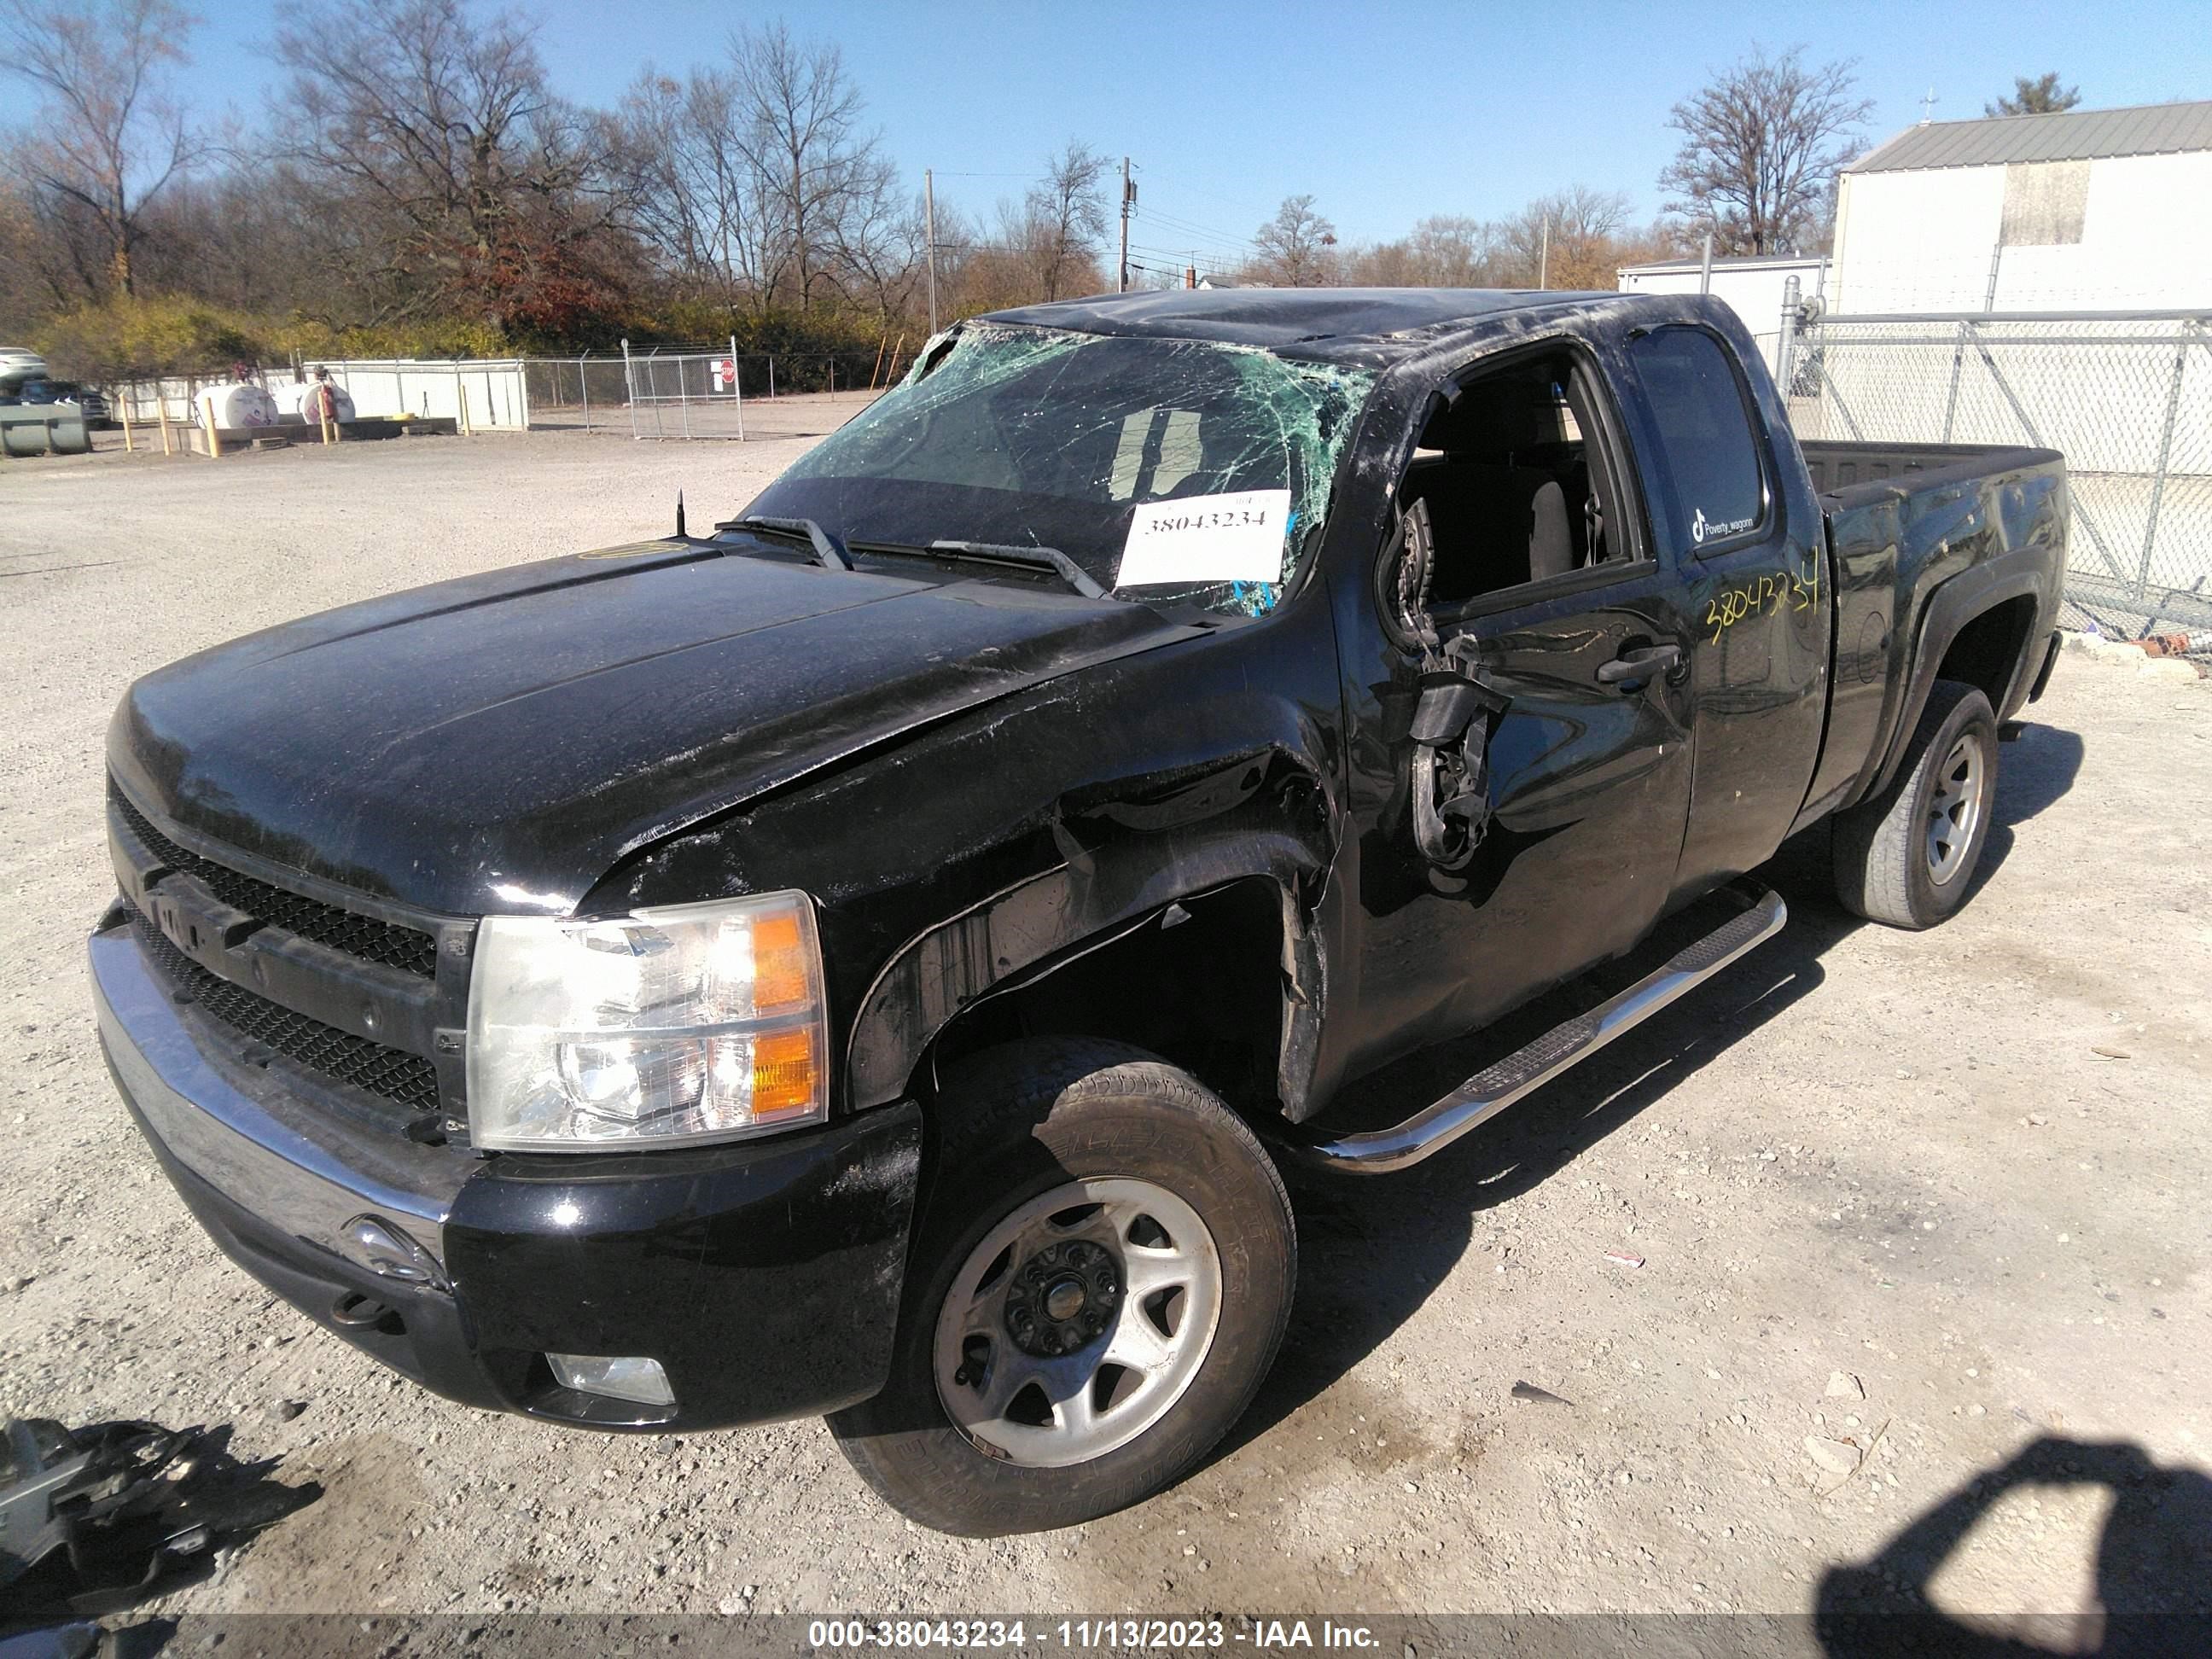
x,y
872,959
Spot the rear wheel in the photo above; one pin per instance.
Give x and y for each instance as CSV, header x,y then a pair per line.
x,y
1100,1285
1907,855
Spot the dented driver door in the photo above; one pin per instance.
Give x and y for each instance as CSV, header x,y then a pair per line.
x,y
1578,745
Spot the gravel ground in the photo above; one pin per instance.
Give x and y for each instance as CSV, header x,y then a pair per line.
x,y
1904,1203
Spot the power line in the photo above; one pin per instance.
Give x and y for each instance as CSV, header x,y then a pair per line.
x,y
1211,232
1197,189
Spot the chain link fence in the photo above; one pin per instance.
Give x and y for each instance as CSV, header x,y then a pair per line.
x,y
701,391
2125,396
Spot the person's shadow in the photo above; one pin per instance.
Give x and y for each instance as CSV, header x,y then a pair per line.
x,y
2154,1567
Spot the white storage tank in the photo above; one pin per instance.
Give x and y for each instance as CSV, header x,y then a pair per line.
x,y
237,404
292,402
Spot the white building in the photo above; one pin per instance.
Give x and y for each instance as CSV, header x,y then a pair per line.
x,y
2090,210
1753,288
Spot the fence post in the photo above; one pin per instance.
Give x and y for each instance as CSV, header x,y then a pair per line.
x,y
737,388
1786,345
2165,457
1958,362
771,377
630,388
584,384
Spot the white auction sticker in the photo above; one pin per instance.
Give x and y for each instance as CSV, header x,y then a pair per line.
x,y
1236,537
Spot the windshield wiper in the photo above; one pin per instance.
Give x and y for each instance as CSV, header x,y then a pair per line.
x,y
828,551
1036,558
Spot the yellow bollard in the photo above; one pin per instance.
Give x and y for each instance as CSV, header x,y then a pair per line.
x,y
214,438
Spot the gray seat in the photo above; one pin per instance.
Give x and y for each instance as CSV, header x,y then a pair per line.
x,y
1550,543
1497,523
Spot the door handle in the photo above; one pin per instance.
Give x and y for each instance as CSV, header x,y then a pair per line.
x,y
1634,667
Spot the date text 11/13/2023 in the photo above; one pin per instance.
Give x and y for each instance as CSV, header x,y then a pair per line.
x,y
1258,1634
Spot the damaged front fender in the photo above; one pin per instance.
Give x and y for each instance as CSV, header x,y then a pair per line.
x,y
1015,937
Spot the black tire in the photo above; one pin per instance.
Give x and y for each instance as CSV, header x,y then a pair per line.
x,y
1886,868
1017,1122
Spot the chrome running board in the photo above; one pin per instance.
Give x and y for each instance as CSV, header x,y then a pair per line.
x,y
1491,1091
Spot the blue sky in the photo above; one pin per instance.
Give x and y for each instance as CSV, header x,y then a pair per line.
x,y
1384,113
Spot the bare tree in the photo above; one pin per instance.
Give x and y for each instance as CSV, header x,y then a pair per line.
x,y
1065,220
816,171
1443,251
112,136
1297,248
476,185
1762,144
1568,240
694,198
2041,96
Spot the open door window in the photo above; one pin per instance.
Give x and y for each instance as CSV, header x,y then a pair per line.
x,y
1517,473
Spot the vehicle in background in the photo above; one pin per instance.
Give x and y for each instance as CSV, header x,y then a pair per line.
x,y
88,399
871,959
18,364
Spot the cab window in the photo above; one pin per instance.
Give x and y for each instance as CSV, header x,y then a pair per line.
x,y
1706,439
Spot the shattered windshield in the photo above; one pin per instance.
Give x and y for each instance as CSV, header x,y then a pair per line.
x,y
1170,470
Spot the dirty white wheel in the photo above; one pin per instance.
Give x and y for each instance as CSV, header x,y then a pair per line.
x,y
1078,1322
1099,1281
1906,855
1954,813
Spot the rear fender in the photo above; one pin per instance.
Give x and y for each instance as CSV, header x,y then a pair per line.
x,y
1959,602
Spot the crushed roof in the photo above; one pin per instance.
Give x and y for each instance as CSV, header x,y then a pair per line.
x,y
1324,323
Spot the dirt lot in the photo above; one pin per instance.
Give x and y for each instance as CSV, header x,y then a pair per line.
x,y
1905,1204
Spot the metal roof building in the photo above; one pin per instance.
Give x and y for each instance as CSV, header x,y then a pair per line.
x,y
2075,136
2086,210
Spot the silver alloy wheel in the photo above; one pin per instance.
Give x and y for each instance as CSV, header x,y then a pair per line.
x,y
1078,1322
1956,811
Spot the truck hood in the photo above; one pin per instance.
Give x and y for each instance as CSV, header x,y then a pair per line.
x,y
497,742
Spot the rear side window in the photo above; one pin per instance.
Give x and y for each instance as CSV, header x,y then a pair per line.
x,y
1706,435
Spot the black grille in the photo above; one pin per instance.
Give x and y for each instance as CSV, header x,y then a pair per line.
x,y
326,924
408,1079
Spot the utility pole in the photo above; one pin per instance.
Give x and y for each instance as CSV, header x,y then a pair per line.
x,y
1544,256
1128,201
929,236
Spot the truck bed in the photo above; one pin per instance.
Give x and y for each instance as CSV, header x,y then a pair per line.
x,y
1903,521
1854,474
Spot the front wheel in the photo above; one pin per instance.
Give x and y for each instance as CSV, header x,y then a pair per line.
x,y
1907,855
1101,1283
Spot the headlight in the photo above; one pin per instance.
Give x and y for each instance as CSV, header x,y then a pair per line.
x,y
684,1024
